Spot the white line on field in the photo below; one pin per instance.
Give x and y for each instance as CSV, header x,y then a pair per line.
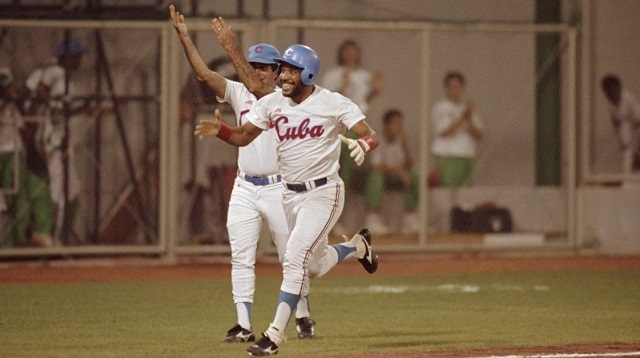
x,y
448,288
570,355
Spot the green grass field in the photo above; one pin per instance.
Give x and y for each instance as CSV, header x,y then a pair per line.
x,y
367,314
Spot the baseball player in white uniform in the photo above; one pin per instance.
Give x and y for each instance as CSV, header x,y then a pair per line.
x,y
47,85
257,191
307,121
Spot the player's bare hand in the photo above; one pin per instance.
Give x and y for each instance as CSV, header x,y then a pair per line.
x,y
225,35
209,127
178,21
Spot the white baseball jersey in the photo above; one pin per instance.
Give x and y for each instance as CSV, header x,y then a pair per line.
x,y
52,135
389,154
306,133
51,75
359,84
627,112
461,144
259,157
10,124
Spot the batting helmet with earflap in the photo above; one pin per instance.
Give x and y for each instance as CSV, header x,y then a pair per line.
x,y
305,58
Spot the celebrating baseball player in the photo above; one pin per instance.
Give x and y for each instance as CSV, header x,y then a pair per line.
x,y
257,192
307,121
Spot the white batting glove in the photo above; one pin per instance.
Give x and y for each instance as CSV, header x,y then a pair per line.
x,y
358,148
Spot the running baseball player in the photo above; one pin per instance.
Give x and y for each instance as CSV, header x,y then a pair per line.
x,y
307,121
257,193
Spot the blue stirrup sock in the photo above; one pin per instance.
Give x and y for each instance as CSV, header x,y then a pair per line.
x,y
343,251
287,302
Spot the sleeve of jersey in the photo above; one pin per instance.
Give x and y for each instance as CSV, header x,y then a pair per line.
x,y
231,89
349,112
259,115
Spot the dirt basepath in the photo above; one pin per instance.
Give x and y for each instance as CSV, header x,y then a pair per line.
x,y
136,269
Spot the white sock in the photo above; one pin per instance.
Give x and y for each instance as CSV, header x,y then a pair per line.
x,y
302,309
243,309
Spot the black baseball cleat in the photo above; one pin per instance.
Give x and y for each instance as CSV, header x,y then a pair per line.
x,y
305,327
237,334
263,347
369,261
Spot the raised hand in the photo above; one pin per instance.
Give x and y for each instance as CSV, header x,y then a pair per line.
x,y
226,36
209,127
178,21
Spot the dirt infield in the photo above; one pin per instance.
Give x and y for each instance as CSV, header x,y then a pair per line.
x,y
138,269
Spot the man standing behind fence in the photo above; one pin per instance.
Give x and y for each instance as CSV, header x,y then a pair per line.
x,y
27,197
457,128
49,84
625,118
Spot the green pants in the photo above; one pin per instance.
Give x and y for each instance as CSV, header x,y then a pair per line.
x,y
378,181
31,205
455,171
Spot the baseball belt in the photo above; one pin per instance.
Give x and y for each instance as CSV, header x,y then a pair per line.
x,y
306,185
271,179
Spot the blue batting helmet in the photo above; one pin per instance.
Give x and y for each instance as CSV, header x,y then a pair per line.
x,y
73,47
263,53
305,58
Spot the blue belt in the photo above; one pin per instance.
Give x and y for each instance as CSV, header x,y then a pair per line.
x,y
307,185
271,179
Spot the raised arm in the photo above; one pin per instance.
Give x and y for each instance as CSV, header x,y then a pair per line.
x,y
213,80
245,71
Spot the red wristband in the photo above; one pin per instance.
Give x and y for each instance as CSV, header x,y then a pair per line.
x,y
225,132
370,143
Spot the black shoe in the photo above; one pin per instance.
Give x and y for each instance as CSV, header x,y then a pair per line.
x,y
369,261
237,334
263,347
305,329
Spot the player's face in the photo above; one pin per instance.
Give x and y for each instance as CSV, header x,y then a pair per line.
x,y
290,81
350,56
614,94
72,62
266,73
454,89
393,129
